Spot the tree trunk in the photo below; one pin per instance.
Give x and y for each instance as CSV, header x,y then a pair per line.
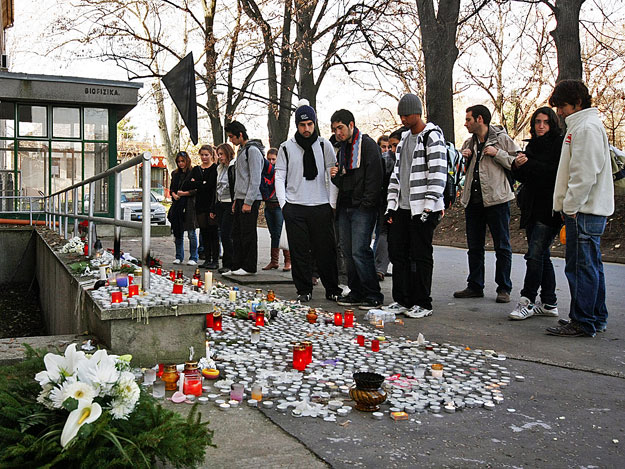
x,y
566,38
438,33
306,86
210,65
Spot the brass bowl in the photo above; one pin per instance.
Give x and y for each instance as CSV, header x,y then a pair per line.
x,y
367,400
368,381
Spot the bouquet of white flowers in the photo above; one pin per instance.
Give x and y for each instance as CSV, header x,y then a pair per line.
x,y
74,245
87,386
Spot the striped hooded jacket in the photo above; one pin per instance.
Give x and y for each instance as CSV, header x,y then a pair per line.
x,y
428,172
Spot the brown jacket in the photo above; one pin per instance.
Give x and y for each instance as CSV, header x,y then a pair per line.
x,y
493,180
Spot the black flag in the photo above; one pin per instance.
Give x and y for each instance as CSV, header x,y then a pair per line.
x,y
180,82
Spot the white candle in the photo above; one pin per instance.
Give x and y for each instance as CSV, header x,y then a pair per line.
x,y
207,350
208,281
181,382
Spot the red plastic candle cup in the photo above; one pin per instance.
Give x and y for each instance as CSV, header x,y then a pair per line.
x,y
338,319
159,271
308,349
192,385
133,290
260,319
116,297
209,320
177,288
161,368
153,270
172,275
130,277
375,345
217,320
360,339
299,357
86,250
349,318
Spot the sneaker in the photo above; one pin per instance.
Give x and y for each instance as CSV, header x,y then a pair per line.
x,y
545,310
394,308
571,329
417,312
191,262
468,293
349,300
524,309
503,297
564,322
224,270
304,298
333,296
369,304
177,261
241,272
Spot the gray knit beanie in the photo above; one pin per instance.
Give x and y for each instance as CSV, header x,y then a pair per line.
x,y
409,104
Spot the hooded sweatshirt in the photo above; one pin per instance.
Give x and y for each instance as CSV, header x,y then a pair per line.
x,y
249,167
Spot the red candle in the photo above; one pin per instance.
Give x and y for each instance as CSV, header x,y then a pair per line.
x,y
260,319
116,297
130,277
192,386
177,288
360,339
172,275
308,348
153,270
159,271
299,357
338,319
86,250
349,318
217,319
133,290
375,345
209,320
161,368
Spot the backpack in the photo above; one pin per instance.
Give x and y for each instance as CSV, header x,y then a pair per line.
x,y
455,171
267,181
617,159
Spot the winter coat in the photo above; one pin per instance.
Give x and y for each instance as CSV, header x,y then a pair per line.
x,y
182,211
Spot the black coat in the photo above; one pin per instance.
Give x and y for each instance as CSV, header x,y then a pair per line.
x,y
205,181
182,211
538,175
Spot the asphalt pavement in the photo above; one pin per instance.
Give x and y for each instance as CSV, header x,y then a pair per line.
x,y
569,411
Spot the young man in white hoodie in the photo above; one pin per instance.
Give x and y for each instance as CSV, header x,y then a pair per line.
x,y
584,195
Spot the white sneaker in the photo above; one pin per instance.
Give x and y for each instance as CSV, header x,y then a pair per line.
x,y
541,309
524,309
394,308
240,272
177,261
191,262
417,312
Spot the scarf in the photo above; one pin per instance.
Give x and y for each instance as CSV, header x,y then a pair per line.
x,y
349,155
310,165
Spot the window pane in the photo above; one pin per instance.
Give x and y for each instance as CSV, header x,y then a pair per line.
x,y
66,165
7,176
96,161
66,122
96,124
32,165
6,155
7,119
33,121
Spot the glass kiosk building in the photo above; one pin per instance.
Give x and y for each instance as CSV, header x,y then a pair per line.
x,y
56,131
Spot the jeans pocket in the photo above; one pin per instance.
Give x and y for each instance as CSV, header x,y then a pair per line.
x,y
590,225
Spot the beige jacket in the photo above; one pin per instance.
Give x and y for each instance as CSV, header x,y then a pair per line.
x,y
493,180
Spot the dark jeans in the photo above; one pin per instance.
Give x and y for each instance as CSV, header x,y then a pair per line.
x,y
310,230
497,218
355,230
380,246
584,271
224,218
179,242
539,269
245,237
410,250
209,233
274,219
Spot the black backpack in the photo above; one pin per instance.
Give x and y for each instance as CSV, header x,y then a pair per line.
x,y
455,171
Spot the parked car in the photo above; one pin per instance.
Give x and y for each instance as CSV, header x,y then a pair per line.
x,y
132,200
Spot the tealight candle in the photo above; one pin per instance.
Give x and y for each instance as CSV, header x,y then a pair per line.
x,y
116,297
338,319
349,318
360,339
133,290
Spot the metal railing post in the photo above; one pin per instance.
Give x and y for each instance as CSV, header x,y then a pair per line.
x,y
90,230
66,211
118,210
30,211
58,210
75,192
147,220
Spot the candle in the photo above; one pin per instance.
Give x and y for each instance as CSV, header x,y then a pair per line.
x,y
338,319
257,392
133,290
232,295
116,297
207,347
209,320
172,275
122,280
375,345
159,271
308,349
260,319
217,322
349,318
360,339
194,281
271,296
177,287
130,278
192,385
161,370
102,272
208,280
299,357
236,392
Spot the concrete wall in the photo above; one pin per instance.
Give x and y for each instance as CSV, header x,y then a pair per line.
x,y
17,254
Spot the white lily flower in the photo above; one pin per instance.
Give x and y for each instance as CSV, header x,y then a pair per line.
x,y
99,371
85,413
59,366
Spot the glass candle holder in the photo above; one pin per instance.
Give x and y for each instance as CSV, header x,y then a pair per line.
x,y
209,320
158,389
271,296
260,319
299,357
172,275
375,345
360,340
133,290
236,392
116,297
217,321
257,392
170,377
255,337
338,319
161,369
159,271
177,286
192,383
349,318
232,295
308,347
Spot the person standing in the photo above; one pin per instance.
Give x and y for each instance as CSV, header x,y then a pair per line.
x,y
584,194
182,211
302,173
247,196
358,178
273,214
223,204
415,205
204,177
486,200
536,168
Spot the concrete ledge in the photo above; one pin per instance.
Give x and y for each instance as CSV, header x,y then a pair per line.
x,y
13,350
18,254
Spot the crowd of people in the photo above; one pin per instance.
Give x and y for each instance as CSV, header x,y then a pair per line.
x,y
331,196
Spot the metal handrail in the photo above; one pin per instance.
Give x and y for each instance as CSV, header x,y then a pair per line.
x,y
30,199
54,209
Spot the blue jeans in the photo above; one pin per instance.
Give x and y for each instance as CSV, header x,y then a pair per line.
x,y
192,246
497,218
539,269
355,230
274,219
584,271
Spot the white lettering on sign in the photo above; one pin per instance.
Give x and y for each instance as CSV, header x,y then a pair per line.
x,y
102,91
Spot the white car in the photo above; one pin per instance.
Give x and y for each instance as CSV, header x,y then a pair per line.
x,y
132,200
